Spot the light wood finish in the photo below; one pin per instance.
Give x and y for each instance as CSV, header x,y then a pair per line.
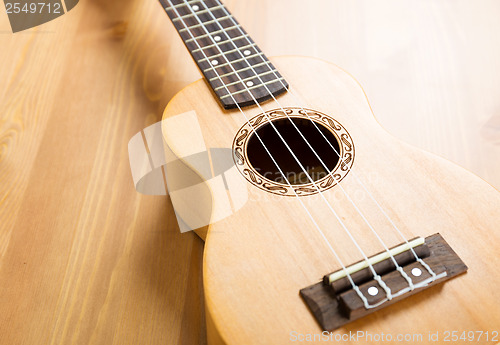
x,y
85,259
257,260
105,265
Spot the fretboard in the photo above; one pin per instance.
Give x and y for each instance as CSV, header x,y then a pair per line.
x,y
235,68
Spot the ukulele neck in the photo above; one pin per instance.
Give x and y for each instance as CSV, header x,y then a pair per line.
x,y
233,65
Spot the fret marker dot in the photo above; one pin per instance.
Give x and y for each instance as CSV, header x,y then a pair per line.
x,y
215,62
196,8
372,291
247,52
249,83
417,272
217,38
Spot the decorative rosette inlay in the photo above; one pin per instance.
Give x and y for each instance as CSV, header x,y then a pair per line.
x,y
345,143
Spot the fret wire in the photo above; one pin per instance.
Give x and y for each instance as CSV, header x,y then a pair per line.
x,y
227,52
216,44
183,4
241,70
197,13
247,89
212,33
246,79
203,24
234,61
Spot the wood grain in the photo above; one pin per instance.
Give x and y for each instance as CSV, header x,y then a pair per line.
x,y
84,259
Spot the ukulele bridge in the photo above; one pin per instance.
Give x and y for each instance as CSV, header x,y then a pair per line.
x,y
351,293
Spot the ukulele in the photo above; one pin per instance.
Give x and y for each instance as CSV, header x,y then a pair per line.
x,y
318,224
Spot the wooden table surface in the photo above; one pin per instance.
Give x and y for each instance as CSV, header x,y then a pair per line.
x,y
84,259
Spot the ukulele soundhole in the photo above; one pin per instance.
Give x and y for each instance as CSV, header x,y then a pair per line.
x,y
321,144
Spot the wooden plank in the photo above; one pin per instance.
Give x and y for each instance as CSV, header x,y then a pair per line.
x,y
85,259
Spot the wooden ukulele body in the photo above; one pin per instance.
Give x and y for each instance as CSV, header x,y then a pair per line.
x,y
257,259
